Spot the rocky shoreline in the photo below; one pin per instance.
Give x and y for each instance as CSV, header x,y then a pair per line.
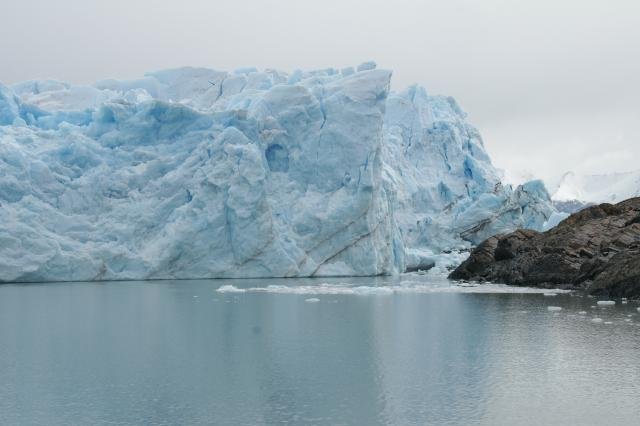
x,y
596,250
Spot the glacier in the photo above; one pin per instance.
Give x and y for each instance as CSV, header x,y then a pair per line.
x,y
197,173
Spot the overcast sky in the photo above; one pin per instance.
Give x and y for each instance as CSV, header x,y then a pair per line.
x,y
553,85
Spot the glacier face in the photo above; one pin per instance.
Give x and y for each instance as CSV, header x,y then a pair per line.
x,y
448,189
196,173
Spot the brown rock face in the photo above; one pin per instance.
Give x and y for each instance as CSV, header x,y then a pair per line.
x,y
597,249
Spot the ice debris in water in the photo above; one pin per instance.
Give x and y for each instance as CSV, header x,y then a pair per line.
x,y
404,287
582,312
198,173
550,294
230,289
596,320
606,302
312,300
554,308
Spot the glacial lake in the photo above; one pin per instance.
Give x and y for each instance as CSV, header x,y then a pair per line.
x,y
367,351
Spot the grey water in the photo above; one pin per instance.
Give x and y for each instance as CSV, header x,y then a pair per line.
x,y
182,353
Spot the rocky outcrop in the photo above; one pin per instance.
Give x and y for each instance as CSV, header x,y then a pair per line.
x,y
596,249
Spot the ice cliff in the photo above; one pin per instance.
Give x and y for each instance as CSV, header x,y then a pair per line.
x,y
194,173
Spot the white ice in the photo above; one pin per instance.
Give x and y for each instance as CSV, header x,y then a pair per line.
x,y
405,287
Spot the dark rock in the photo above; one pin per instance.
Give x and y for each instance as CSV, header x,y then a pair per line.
x,y
509,244
621,278
481,258
632,221
597,249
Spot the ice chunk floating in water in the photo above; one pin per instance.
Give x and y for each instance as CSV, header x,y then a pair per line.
x,y
230,289
197,173
554,308
606,302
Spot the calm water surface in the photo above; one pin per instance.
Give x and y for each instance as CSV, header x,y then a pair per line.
x,y
363,353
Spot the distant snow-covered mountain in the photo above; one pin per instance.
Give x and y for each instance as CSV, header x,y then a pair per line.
x,y
572,191
602,188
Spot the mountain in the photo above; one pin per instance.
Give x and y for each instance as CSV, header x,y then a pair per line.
x,y
570,206
604,188
197,173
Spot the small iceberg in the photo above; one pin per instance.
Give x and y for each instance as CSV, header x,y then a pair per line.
x,y
554,308
582,313
312,300
550,294
596,320
606,302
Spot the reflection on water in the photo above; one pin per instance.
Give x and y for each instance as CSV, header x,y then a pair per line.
x,y
180,352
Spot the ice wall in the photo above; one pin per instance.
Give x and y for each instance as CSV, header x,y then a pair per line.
x,y
195,173
447,194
